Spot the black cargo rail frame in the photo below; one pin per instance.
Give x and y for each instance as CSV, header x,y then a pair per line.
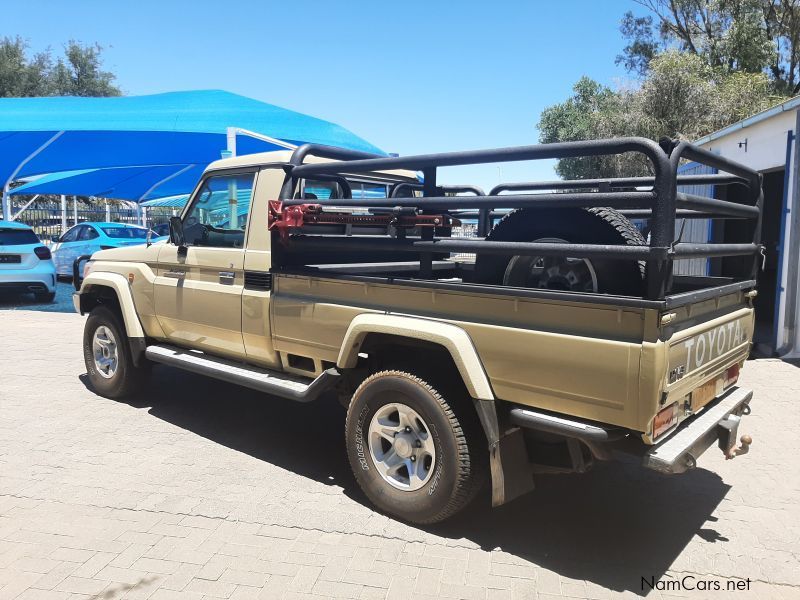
x,y
662,204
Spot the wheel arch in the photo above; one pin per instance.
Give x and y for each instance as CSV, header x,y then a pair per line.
x,y
113,289
451,338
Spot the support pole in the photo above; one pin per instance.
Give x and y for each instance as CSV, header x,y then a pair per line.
x,y
231,140
63,214
108,212
6,202
74,210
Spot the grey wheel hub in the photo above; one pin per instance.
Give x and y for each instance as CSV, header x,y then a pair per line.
x,y
401,446
551,272
104,351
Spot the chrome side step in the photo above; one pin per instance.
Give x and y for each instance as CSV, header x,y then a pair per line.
x,y
571,428
263,380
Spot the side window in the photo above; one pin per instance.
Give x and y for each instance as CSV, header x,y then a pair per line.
x,y
72,234
219,212
87,233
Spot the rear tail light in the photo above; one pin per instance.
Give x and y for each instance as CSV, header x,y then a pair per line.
x,y
731,376
665,419
43,252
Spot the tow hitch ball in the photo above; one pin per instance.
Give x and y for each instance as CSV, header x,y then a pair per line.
x,y
727,438
746,440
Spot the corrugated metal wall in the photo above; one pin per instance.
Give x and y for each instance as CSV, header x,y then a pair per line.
x,y
694,230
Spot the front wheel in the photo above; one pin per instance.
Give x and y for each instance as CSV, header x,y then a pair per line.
x,y
411,454
107,355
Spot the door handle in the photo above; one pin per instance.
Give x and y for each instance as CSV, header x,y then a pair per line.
x,y
226,277
175,274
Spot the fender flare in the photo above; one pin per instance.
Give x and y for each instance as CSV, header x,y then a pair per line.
x,y
454,339
121,287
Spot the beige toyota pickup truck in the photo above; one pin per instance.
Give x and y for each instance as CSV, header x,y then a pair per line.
x,y
474,338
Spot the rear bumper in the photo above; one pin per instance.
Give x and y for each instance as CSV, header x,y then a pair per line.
x,y
718,422
40,279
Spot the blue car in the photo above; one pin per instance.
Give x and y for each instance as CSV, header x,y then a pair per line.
x,y
88,238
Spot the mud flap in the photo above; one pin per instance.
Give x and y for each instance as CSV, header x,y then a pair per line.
x,y
508,456
511,471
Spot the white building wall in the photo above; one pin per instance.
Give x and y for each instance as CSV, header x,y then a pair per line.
x,y
766,142
766,150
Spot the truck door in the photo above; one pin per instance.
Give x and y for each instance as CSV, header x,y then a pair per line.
x,y
198,297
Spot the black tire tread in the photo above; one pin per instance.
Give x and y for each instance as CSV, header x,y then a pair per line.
x,y
623,225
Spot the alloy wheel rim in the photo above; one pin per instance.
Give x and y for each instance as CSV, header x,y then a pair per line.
x,y
401,446
552,272
104,349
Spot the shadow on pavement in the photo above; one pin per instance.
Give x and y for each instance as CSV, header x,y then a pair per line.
x,y
612,526
62,303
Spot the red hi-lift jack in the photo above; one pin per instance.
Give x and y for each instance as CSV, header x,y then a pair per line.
x,y
285,218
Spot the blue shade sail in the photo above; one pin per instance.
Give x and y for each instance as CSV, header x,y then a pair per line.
x,y
153,132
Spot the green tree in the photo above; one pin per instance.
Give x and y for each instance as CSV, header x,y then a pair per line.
x,y
78,72
749,36
593,111
681,97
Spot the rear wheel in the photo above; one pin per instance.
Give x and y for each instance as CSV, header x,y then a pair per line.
x,y
107,355
411,453
563,226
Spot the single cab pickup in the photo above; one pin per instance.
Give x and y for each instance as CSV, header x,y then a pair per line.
x,y
472,337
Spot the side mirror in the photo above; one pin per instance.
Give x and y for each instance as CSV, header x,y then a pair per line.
x,y
55,238
176,232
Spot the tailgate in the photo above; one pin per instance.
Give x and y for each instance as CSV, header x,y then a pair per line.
x,y
697,353
703,360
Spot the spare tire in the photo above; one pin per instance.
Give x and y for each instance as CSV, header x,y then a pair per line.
x,y
564,225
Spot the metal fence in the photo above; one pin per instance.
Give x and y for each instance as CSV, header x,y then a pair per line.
x,y
49,221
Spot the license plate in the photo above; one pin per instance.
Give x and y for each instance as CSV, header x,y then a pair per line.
x,y
10,258
704,394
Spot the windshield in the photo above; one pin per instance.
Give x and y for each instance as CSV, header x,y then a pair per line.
x,y
127,233
17,237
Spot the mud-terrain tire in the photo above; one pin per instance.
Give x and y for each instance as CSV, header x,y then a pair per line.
x,y
448,478
111,374
573,225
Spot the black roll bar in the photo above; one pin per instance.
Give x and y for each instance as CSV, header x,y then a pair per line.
x,y
661,203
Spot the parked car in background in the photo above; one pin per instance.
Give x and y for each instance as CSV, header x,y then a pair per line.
x,y
26,266
162,229
88,238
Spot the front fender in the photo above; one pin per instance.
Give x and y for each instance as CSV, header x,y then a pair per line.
x,y
119,284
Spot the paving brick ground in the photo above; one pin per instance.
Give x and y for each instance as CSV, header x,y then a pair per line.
x,y
203,490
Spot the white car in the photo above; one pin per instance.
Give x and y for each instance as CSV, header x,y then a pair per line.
x,y
26,266
88,238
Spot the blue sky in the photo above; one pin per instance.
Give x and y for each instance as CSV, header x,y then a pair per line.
x,y
411,77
